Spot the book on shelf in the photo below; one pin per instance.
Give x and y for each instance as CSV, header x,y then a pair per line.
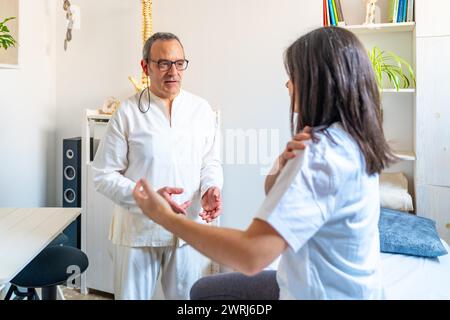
x,y
336,20
332,13
410,14
405,10
341,20
326,21
393,7
328,14
401,11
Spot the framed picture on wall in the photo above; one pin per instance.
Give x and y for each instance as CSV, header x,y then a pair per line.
x,y
9,57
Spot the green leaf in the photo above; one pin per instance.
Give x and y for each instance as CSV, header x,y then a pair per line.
x,y
5,37
390,64
7,19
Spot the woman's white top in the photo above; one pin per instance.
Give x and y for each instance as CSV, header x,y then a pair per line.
x,y
326,207
182,152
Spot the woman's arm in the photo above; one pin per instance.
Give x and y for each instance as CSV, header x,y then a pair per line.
x,y
273,174
246,251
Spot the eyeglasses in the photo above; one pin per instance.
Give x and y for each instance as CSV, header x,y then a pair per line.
x,y
165,65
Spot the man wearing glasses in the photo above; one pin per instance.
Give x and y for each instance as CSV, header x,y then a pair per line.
x,y
170,137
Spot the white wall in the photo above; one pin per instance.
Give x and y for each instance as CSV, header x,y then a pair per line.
x,y
236,50
102,54
27,108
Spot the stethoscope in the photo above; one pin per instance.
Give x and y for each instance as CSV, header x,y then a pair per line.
x,y
139,101
148,96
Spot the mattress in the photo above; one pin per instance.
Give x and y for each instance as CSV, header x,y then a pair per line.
x,y
409,277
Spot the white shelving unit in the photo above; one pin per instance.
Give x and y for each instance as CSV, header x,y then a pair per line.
x,y
405,155
417,120
410,90
381,27
97,211
399,112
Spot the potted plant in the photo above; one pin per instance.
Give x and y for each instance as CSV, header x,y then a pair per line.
x,y
6,40
390,64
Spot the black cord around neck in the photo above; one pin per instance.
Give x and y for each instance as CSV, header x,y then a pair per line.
x,y
139,101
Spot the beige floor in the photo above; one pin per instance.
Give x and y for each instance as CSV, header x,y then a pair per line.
x,y
74,294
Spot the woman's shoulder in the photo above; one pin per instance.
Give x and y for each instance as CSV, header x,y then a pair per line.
x,y
336,143
334,153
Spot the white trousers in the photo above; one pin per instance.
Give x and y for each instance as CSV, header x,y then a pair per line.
x,y
136,271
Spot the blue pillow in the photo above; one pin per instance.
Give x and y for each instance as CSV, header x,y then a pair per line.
x,y
405,233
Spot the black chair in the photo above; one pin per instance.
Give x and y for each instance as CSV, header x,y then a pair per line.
x,y
60,240
49,269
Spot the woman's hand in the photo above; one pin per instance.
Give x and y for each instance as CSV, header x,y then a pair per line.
x,y
152,204
297,143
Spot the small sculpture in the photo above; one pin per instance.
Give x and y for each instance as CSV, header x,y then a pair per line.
x,y
147,31
69,17
109,106
371,11
138,86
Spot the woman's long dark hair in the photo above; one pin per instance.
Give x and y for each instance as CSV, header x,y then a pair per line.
x,y
334,82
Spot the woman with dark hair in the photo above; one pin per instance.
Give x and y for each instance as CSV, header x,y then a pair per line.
x,y
322,206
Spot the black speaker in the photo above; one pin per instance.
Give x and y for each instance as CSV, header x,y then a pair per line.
x,y
72,186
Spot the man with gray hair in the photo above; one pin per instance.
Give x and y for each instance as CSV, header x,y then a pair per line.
x,y
169,136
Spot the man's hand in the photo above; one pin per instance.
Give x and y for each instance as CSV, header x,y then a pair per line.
x,y
211,204
167,193
152,204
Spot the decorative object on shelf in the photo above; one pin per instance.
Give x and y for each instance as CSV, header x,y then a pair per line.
x,y
9,33
147,31
6,39
372,12
109,106
390,64
69,17
137,86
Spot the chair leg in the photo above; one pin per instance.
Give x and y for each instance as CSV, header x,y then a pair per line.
x,y
20,295
10,292
60,293
32,294
49,293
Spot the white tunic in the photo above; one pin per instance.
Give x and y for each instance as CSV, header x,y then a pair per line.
x,y
326,207
182,152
